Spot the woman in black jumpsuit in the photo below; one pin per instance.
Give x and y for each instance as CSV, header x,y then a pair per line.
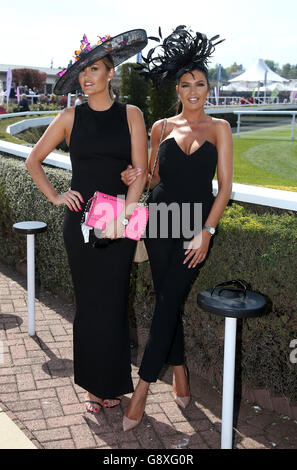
x,y
194,145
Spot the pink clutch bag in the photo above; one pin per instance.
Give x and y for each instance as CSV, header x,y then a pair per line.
x,y
102,208
105,208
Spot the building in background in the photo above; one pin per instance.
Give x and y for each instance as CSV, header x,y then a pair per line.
x,y
51,75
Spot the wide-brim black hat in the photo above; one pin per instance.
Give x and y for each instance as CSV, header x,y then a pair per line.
x,y
120,47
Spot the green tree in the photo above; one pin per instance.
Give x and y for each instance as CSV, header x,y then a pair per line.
x,y
30,77
289,71
286,69
273,66
134,89
213,74
234,69
162,102
293,72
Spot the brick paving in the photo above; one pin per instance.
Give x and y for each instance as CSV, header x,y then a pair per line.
x,y
38,393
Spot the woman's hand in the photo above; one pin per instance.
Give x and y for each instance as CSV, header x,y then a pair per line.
x,y
197,249
113,229
70,198
129,175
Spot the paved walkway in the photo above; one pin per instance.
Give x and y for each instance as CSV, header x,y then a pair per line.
x,y
38,395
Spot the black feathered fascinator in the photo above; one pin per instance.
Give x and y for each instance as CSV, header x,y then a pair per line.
x,y
179,53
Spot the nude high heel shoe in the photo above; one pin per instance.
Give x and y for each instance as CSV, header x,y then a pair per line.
x,y
129,424
184,401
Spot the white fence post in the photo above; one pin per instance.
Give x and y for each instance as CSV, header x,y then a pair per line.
x,y
228,382
293,126
238,125
31,283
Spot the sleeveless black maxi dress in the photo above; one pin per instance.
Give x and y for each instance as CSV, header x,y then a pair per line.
x,y
100,148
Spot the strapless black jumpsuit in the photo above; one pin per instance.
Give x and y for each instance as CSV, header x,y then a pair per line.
x,y
183,179
100,149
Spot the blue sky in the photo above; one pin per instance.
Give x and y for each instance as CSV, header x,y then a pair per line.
x,y
34,32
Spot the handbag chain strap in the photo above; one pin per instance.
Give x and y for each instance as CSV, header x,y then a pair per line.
x,y
87,207
157,156
146,194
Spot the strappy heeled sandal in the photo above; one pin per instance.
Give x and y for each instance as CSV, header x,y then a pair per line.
x,y
96,410
112,406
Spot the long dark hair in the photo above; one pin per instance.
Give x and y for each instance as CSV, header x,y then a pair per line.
x,y
179,105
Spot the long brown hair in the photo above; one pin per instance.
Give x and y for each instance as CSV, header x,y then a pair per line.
x,y
109,64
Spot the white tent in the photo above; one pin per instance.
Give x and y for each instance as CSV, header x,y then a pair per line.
x,y
273,86
234,87
292,86
258,72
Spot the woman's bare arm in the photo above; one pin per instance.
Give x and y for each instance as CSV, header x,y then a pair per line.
x,y
58,130
198,247
138,156
129,175
224,144
155,140
115,228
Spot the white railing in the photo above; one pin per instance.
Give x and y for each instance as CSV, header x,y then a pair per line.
x,y
256,112
240,192
27,113
54,158
241,101
21,126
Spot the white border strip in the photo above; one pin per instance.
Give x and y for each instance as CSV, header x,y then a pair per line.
x,y
263,196
240,192
28,113
55,159
21,126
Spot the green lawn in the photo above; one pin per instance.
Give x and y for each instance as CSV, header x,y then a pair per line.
x,y
266,157
276,132
263,157
4,123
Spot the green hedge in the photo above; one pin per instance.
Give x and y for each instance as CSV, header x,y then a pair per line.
x,y
32,135
259,248
20,199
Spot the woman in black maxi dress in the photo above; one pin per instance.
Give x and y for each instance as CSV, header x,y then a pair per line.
x,y
104,136
100,275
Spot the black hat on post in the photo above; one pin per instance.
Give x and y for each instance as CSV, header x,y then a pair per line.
x,y
120,47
